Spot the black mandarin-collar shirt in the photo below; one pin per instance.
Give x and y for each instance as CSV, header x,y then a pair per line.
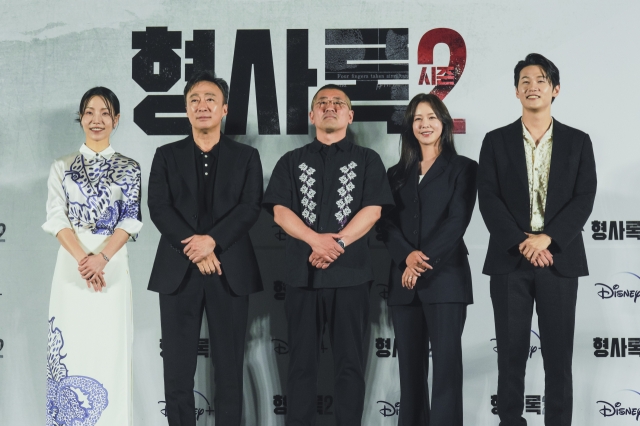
x,y
206,166
326,186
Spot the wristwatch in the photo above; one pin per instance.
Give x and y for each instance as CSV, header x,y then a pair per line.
x,y
339,241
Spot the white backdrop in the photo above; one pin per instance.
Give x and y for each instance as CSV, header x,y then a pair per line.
x,y
51,53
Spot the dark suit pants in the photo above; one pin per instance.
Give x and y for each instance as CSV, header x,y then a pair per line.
x,y
512,296
181,318
345,311
415,325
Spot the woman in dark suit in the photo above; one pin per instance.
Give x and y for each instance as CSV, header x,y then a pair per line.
x,y
430,281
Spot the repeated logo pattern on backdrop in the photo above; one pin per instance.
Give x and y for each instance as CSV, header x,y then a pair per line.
x,y
274,58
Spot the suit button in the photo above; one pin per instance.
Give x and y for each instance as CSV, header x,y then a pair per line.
x,y
415,232
415,200
415,216
195,216
321,228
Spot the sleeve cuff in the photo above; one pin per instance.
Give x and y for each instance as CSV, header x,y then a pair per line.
x,y
386,205
53,226
130,226
270,203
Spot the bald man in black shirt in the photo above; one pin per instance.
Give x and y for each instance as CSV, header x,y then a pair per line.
x,y
327,195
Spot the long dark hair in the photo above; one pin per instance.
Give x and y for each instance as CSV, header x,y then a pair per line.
x,y
410,152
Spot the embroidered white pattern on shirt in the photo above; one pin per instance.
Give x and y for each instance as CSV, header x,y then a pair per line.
x,y
308,194
344,192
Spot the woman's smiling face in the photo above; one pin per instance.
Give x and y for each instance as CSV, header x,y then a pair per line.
x,y
427,127
96,120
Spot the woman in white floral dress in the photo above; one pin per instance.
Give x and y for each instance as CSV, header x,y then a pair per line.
x,y
93,208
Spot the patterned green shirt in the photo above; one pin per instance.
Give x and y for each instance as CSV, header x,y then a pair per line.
x,y
538,164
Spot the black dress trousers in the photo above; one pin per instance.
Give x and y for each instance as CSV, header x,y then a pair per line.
x,y
555,296
227,321
415,325
345,312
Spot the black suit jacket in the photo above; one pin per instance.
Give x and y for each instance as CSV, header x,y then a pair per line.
x,y
432,216
173,207
503,195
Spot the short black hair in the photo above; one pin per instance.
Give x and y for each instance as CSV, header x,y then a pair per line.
x,y
551,72
210,76
331,86
109,98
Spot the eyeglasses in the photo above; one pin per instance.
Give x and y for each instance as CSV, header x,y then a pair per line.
x,y
337,103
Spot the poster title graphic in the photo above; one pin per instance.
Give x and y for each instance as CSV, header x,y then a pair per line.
x,y
376,59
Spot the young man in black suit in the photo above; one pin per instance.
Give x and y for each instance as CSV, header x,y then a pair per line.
x,y
204,196
536,188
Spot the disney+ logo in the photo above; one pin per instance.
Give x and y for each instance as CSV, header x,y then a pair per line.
x,y
202,406
616,409
532,348
616,292
280,346
384,290
388,409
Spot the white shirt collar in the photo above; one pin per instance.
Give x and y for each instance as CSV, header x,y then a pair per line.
x,y
89,154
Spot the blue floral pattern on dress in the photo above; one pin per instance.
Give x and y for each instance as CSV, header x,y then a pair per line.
x,y
71,400
96,179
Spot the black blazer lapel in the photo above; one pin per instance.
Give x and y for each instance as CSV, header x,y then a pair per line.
x,y
411,187
435,170
227,157
560,153
185,162
514,145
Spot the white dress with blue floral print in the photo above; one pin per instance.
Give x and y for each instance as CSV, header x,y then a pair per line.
x,y
91,334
